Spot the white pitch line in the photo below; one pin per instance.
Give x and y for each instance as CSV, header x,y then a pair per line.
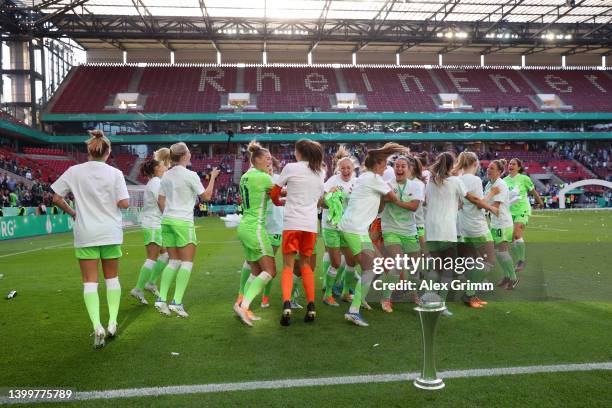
x,y
324,381
37,249
549,229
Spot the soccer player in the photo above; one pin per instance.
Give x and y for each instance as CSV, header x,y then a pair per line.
x,y
442,196
304,182
420,212
100,193
399,226
337,191
274,226
361,211
157,257
521,209
178,190
501,223
255,187
477,240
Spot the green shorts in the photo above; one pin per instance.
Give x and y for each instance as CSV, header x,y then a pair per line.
x,y
255,241
152,236
275,239
522,218
420,231
478,240
333,238
357,243
178,233
99,252
502,234
410,244
438,246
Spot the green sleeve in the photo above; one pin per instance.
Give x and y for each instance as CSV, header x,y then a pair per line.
x,y
529,183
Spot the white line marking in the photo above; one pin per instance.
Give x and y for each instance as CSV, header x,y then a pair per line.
x,y
549,229
325,381
37,249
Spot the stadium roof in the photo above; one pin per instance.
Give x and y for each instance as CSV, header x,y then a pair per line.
x,y
525,26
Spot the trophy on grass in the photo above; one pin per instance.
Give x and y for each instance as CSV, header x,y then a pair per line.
x,y
429,311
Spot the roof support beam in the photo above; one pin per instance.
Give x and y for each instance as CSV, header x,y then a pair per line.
x,y
512,4
559,16
68,7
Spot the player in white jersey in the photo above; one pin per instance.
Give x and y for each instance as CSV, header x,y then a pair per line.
x,y
178,190
157,257
304,182
338,258
420,213
100,193
443,195
399,227
361,211
476,238
502,225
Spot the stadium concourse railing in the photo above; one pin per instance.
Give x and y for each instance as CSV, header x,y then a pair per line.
x,y
320,116
339,137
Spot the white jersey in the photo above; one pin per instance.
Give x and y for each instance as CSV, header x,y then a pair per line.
x,y
420,212
337,182
151,216
389,174
181,187
399,220
442,207
504,219
472,220
274,215
364,203
426,175
97,188
304,188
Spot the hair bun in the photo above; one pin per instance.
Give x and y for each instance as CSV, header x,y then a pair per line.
x,y
97,133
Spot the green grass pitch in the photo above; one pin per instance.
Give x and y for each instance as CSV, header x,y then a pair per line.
x,y
559,314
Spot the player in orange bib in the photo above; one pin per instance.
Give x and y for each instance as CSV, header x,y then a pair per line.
x,y
304,183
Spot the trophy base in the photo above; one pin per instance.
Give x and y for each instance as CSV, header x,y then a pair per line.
x,y
436,384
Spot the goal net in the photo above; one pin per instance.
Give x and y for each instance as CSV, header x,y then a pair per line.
x,y
131,216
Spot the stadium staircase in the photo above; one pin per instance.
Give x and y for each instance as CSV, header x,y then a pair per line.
x,y
16,177
439,84
133,175
135,81
238,170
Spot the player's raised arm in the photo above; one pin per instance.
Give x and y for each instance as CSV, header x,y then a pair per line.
x,y
207,194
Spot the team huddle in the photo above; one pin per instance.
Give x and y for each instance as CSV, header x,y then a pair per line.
x,y
391,204
396,206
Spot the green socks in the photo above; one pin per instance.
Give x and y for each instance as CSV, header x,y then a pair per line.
x,y
168,275
348,280
244,277
504,259
113,297
518,249
362,287
255,288
145,273
160,264
392,277
326,264
330,278
92,302
267,289
182,279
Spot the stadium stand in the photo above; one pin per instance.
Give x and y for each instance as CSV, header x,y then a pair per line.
x,y
296,89
92,88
